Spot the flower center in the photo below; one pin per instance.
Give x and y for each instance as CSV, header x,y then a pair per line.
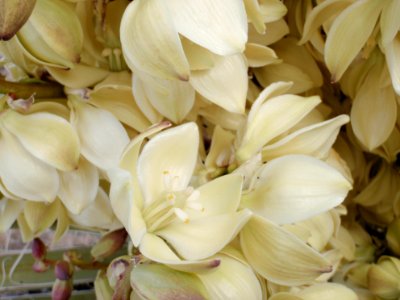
x,y
173,205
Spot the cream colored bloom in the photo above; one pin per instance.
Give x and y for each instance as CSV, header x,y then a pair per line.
x,y
167,219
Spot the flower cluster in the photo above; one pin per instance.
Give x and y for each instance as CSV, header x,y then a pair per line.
x,y
247,149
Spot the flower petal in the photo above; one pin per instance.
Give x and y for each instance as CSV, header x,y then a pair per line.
x,y
171,98
24,175
392,51
279,256
267,123
9,211
203,237
327,291
171,154
315,140
115,95
218,25
150,41
40,216
259,55
102,136
348,34
78,188
374,112
46,136
390,23
123,203
225,84
156,249
232,280
295,187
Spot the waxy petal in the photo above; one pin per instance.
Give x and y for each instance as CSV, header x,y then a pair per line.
x,y
156,249
167,161
392,51
280,256
295,187
327,291
225,84
259,55
24,175
217,25
233,280
9,211
171,98
268,123
46,136
315,140
150,41
348,34
390,23
203,237
102,136
78,188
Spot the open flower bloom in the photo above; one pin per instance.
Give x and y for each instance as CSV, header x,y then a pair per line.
x,y
167,219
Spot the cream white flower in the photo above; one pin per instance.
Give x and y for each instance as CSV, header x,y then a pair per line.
x,y
167,219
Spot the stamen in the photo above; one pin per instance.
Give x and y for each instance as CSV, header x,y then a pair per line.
x,y
183,216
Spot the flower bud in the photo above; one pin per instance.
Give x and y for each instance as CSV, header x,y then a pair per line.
x,y
13,15
40,266
384,278
118,274
63,270
109,244
52,35
39,249
62,289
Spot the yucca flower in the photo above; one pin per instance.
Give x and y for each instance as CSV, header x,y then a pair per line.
x,y
167,218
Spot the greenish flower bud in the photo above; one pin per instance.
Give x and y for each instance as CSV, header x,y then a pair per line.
x,y
384,278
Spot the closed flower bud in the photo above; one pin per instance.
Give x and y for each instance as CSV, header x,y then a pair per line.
x,y
62,290
13,15
38,249
52,35
384,278
63,270
109,244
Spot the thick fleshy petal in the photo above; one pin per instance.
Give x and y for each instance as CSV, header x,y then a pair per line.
x,y
348,34
220,196
389,21
280,256
123,203
232,279
203,237
48,137
9,211
168,160
225,84
199,58
156,249
115,95
268,123
259,55
80,76
98,214
217,25
171,98
374,112
78,188
102,136
150,41
40,216
315,140
320,14
327,291
23,174
156,281
295,187
392,51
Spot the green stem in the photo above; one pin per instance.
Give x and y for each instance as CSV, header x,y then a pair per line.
x,y
25,90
